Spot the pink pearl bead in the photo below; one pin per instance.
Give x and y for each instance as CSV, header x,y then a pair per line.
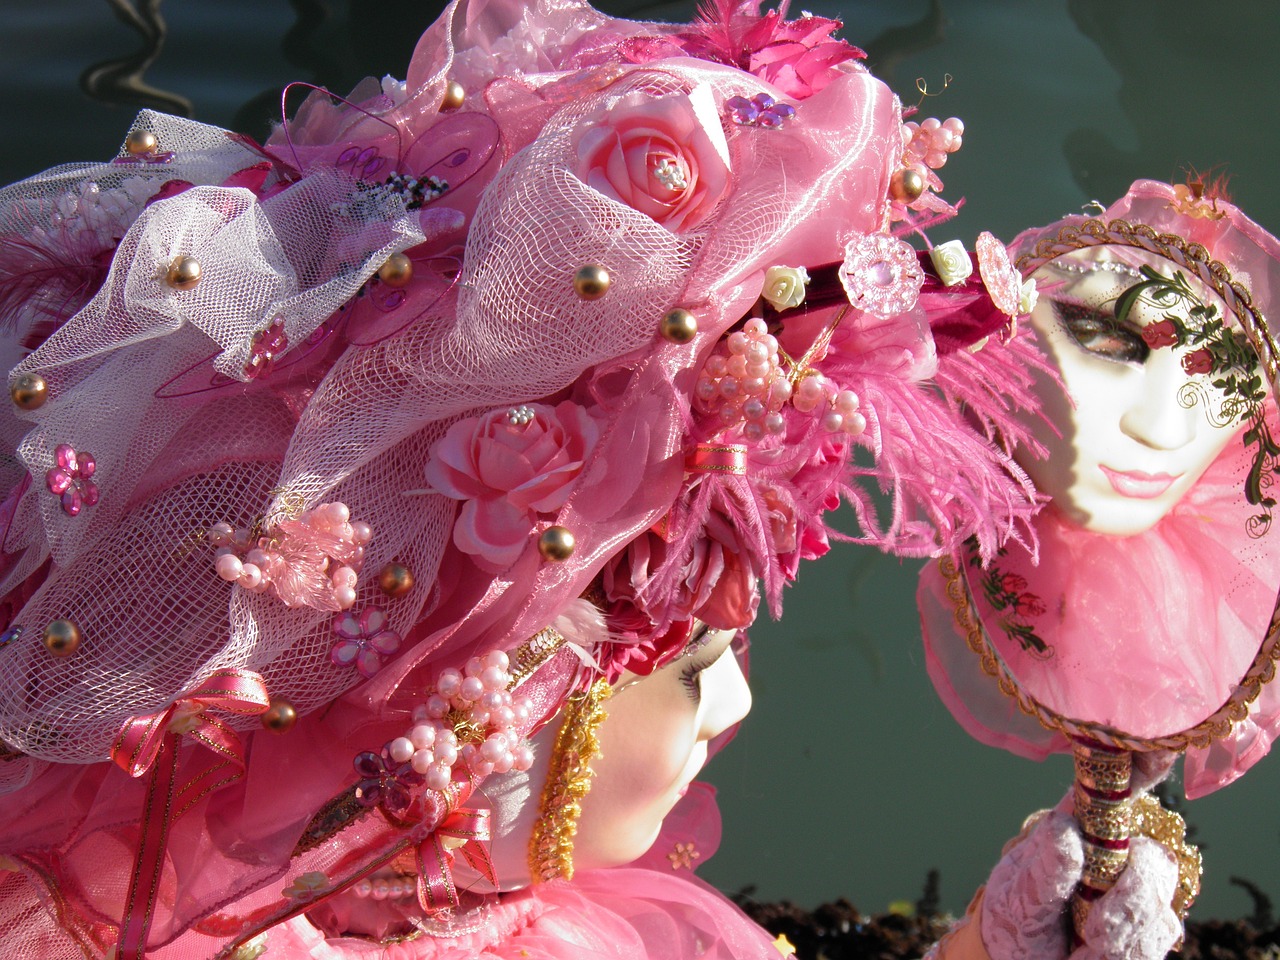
x,y
471,689
478,715
833,422
504,763
423,735
954,124
450,682
220,534
497,658
493,678
446,753
729,414
363,888
753,430
753,386
737,342
706,388
522,757
761,370
521,710
250,576
422,760
438,776
729,387
380,890
344,597
420,714
503,717
855,424
756,326
931,124
229,567
846,401
716,366
475,666
753,409
437,706
345,577
241,537
493,749
738,367
775,423
757,352
771,342
337,512
481,768
780,392
401,749
361,532
492,700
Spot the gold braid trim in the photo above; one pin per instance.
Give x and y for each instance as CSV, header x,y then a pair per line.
x,y
1168,829
568,781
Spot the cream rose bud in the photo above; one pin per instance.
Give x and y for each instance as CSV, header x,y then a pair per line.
x,y
1027,297
784,286
952,262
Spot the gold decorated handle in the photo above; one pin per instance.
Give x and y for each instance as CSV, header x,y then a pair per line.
x,y
1104,811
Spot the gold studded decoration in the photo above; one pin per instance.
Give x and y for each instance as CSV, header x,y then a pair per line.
x,y
454,96
906,185
397,271
395,579
556,544
28,391
679,326
62,638
280,716
141,143
183,273
591,282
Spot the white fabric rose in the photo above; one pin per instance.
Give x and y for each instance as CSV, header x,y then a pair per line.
x,y
784,286
952,262
1027,297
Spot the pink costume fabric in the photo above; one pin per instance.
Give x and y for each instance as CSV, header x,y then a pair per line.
x,y
220,478
1148,633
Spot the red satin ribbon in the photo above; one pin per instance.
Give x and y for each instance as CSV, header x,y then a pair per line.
x,y
718,458
436,889
150,743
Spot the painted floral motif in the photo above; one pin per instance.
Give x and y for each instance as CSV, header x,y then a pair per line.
x,y
1008,595
364,641
1222,353
72,478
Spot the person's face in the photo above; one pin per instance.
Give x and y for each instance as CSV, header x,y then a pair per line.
x,y
1128,450
652,746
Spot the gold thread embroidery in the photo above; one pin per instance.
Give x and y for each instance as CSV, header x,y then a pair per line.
x,y
568,781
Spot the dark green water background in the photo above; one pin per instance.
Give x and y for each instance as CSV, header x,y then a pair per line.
x,y
849,778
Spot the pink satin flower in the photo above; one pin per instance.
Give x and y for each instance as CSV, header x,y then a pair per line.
x,y
666,157
363,641
509,467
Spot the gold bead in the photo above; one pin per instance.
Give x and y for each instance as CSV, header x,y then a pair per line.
x,y
62,638
29,391
397,271
141,142
556,543
395,579
906,185
184,273
454,95
591,282
679,326
280,716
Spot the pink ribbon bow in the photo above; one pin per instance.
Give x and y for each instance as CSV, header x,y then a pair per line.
x,y
150,743
469,830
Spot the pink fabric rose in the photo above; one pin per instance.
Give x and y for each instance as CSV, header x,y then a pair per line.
x,y
509,467
666,157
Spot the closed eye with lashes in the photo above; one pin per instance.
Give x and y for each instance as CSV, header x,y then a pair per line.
x,y
691,674
1099,333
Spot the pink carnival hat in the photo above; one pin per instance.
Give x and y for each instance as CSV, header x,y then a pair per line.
x,y
331,434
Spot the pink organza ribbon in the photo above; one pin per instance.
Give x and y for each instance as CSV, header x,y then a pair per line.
x,y
728,458
436,889
150,743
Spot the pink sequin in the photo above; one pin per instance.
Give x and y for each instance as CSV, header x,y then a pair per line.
x,y
71,478
881,275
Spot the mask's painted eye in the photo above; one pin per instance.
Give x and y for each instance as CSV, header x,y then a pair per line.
x,y
1098,332
691,672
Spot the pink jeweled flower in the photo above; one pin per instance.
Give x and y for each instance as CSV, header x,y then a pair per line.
x,y
265,347
363,641
72,480
881,274
999,275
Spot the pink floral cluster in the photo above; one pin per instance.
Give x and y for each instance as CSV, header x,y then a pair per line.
x,y
747,387
509,467
932,140
471,717
312,560
72,479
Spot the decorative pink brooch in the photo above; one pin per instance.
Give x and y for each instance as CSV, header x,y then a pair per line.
x,y
363,641
312,561
881,275
72,478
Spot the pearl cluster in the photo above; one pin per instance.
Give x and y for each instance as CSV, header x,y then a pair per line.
x,y
749,387
470,717
386,888
932,140
257,567
519,416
